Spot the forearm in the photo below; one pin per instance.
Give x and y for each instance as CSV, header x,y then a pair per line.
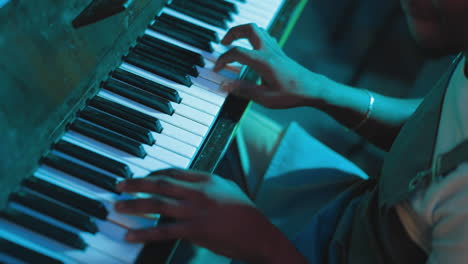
x,y
277,249
349,106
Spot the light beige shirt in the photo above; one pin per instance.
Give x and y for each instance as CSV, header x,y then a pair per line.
x,y
436,217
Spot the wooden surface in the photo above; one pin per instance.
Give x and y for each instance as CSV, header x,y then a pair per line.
x,y
48,69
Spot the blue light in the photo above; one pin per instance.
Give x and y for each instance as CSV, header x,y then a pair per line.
x,y
3,2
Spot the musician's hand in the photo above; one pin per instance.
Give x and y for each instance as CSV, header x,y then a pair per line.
x,y
285,83
209,211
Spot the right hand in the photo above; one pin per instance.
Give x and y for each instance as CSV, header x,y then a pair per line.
x,y
209,211
285,83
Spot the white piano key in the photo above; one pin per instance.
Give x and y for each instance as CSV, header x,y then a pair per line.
x,y
107,228
194,90
182,16
268,11
65,177
107,199
180,134
25,242
136,170
184,45
119,249
175,119
209,65
209,85
220,32
251,17
226,72
199,104
262,6
52,247
111,230
84,164
175,145
253,14
193,114
239,20
212,76
148,163
165,155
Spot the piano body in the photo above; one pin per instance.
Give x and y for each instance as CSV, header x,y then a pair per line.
x,y
96,91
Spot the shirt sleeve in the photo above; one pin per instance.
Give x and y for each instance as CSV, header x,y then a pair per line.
x,y
443,208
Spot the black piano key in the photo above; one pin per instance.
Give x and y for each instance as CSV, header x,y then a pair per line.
x,y
200,13
159,69
98,160
55,210
127,113
222,6
182,35
163,57
118,125
109,137
206,33
46,229
139,95
218,10
147,85
85,204
25,254
79,171
173,50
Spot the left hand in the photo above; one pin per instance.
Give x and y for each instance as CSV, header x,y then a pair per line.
x,y
209,211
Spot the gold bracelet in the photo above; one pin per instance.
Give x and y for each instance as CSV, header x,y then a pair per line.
x,y
370,107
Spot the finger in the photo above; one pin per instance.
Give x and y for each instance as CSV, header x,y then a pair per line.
x,y
242,88
182,175
166,207
158,185
162,232
242,55
258,93
247,31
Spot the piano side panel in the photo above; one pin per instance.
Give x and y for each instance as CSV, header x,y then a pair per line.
x,y
46,70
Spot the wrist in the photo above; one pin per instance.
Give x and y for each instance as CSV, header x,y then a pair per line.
x,y
320,91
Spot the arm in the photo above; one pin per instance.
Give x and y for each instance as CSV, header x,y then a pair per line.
x,y
210,212
287,84
349,106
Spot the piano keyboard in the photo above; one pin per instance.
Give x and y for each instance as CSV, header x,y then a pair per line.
x,y
153,112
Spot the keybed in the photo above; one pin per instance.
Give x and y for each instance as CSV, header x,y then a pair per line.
x,y
154,112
